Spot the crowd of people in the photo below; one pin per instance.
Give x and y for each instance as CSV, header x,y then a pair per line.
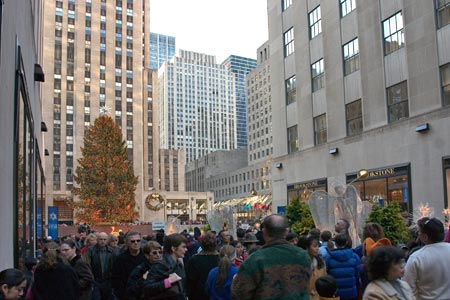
x,y
264,262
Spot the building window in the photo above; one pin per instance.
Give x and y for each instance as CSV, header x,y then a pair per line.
x,y
292,135
351,56
445,83
393,34
354,117
315,22
58,50
87,55
347,6
443,12
317,73
291,90
285,4
320,129
289,42
398,102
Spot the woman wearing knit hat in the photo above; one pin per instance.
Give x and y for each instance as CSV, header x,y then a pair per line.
x,y
373,235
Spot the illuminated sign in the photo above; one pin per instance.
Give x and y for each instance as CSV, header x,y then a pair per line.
x,y
307,185
383,172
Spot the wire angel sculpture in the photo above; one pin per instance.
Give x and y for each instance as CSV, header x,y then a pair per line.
x,y
173,225
222,218
343,202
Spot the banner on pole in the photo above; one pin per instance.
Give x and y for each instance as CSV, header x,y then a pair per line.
x,y
281,210
39,222
53,222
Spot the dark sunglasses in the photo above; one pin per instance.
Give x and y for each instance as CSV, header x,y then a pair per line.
x,y
156,252
135,241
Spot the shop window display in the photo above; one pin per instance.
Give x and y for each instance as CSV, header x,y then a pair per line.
x,y
386,185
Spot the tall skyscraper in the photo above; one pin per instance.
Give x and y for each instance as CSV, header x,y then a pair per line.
x,y
95,57
259,109
162,48
197,105
240,66
373,92
235,174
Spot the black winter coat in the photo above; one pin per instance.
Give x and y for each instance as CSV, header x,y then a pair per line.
x,y
85,277
147,281
123,266
60,282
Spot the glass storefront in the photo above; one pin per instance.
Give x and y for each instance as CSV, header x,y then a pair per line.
x,y
385,185
28,177
304,189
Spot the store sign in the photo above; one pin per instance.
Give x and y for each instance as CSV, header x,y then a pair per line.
x,y
383,172
307,185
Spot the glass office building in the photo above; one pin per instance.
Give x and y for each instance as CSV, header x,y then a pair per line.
x,y
240,66
162,48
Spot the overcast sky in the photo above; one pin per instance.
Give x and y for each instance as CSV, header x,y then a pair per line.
x,y
216,27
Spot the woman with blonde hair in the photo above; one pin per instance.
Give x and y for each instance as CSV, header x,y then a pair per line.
x,y
218,284
91,240
53,279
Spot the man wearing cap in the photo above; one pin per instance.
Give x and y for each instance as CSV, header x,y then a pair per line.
x,y
428,269
278,270
250,242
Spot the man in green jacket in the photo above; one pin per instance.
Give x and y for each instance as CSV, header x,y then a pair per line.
x,y
278,270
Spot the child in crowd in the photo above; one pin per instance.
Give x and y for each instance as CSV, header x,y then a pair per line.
x,y
326,288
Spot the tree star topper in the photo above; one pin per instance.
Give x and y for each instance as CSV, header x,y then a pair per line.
x,y
104,110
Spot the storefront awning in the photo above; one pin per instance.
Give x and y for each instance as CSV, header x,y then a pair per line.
x,y
257,202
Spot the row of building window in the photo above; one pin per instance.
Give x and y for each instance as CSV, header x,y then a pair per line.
x,y
392,27
397,106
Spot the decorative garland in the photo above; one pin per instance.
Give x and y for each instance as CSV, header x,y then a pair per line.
x,y
154,202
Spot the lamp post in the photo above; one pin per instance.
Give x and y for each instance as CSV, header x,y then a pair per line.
x,y
362,174
191,217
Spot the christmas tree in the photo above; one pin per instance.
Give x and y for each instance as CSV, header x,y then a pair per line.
x,y
391,220
299,216
105,177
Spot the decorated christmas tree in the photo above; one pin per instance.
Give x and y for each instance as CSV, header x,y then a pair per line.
x,y
105,177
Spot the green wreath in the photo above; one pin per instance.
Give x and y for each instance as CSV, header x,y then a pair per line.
x,y
154,201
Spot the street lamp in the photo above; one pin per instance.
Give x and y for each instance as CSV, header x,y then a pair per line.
x,y
253,191
362,174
